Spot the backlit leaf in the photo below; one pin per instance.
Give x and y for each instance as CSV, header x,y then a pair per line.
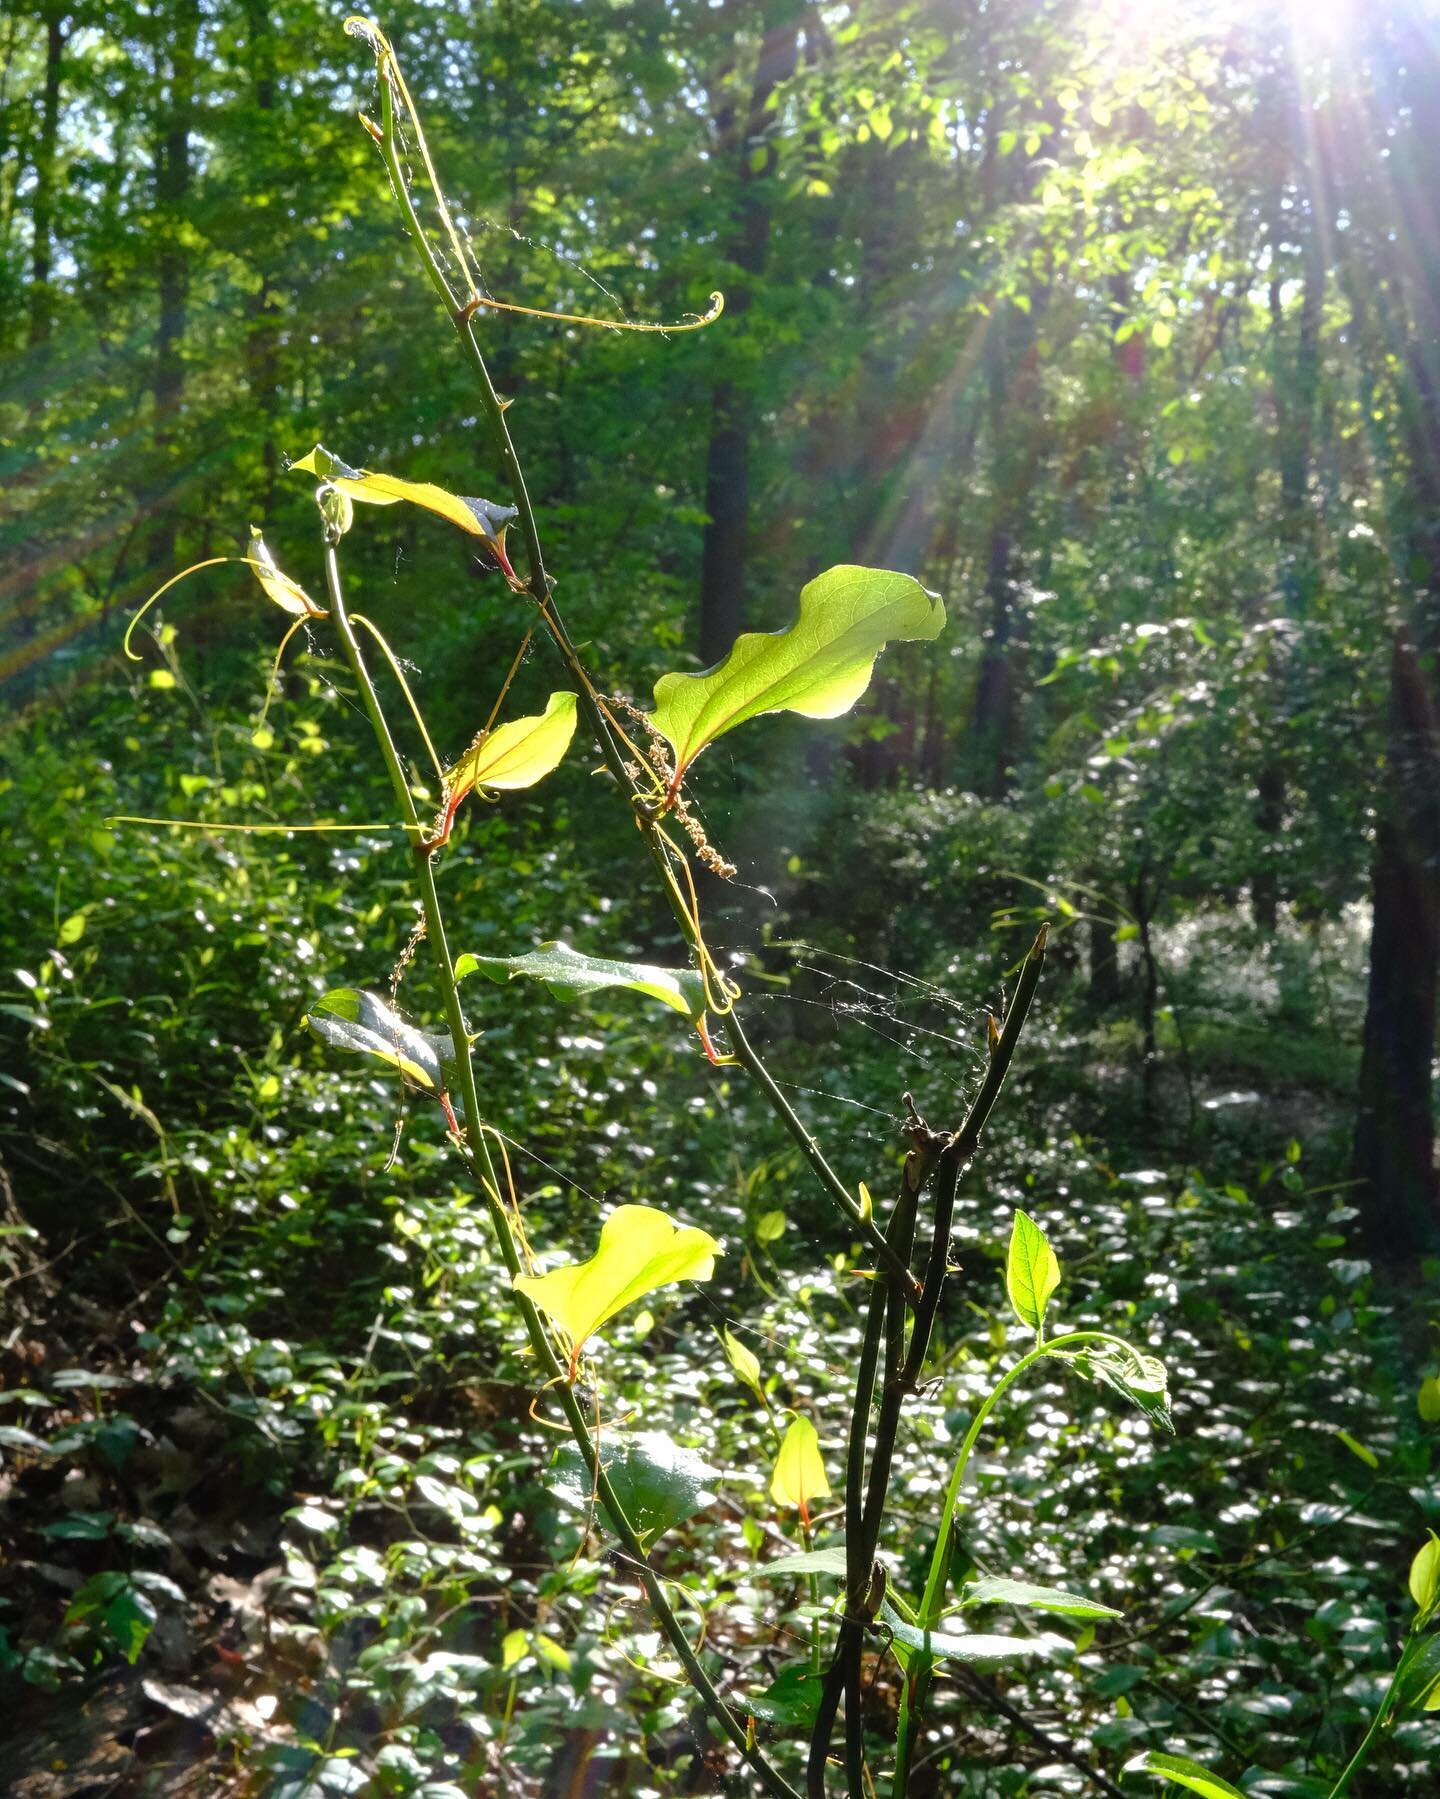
x,y
799,1473
819,666
288,595
348,1018
744,1361
1425,1574
1184,1773
518,753
571,975
481,518
1031,1271
640,1250
1140,1377
1039,1599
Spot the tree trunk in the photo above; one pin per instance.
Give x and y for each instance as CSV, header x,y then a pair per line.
x,y
727,465
42,206
1394,1149
173,174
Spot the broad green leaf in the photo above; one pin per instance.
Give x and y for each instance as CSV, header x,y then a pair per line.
x,y
640,1250
1425,1574
792,1699
819,666
1429,1399
1140,1377
515,1648
658,1484
349,1018
571,975
799,1473
1419,1685
288,595
518,753
1031,1271
1040,1599
481,518
745,1362
945,1646
770,1227
809,1561
1184,1773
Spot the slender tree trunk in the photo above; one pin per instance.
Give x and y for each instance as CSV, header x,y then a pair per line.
x,y
1394,1130
173,174
262,334
727,464
42,206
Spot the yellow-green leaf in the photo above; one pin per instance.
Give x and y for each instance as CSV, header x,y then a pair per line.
x,y
288,595
1358,1449
518,753
819,666
1425,1574
1183,1772
481,518
1429,1399
744,1361
640,1250
799,1473
1032,1272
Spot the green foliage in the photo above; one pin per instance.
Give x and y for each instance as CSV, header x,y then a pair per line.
x,y
818,667
571,975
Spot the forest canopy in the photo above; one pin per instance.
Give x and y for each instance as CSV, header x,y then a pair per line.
x,y
722,905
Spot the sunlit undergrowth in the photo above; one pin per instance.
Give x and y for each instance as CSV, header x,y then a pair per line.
x,y
304,1434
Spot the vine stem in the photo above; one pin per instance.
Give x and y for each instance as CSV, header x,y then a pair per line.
x,y
1377,1723
931,1605
537,586
482,1165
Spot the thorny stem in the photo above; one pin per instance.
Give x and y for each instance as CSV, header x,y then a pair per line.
x,y
482,1165
538,587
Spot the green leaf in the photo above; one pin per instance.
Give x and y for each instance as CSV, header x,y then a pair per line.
x,y
770,1227
515,1648
1040,1599
658,1484
976,1651
799,1473
481,518
125,1614
1429,1399
1425,1574
351,1019
1183,1772
1031,1271
745,1362
809,1561
640,1250
571,975
1420,1682
819,666
288,595
1140,1377
792,1699
518,753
